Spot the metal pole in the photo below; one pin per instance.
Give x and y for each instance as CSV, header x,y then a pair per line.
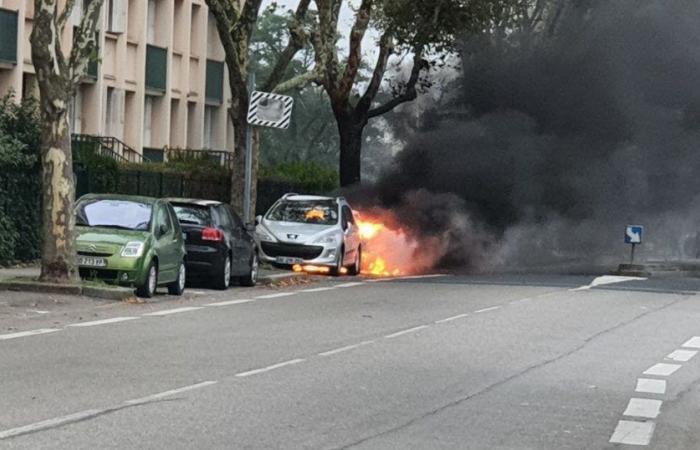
x,y
247,193
632,255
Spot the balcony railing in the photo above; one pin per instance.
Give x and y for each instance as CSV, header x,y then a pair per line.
x,y
215,82
8,36
85,145
156,68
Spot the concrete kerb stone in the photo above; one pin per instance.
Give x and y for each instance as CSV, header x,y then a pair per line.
x,y
105,293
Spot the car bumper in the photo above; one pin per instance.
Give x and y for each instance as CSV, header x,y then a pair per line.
x,y
290,254
121,273
204,260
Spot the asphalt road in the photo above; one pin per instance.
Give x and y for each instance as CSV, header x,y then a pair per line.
x,y
500,362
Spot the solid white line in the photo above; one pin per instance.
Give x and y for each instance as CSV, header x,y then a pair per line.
x,y
348,285
345,349
643,407
487,309
268,368
410,330
633,433
682,355
21,334
651,386
278,295
50,423
167,312
319,289
662,369
450,319
102,322
693,342
169,393
231,302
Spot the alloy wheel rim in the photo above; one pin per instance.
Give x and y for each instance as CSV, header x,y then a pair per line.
x,y
152,280
227,272
181,279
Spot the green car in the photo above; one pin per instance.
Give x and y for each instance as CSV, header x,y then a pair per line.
x,y
130,241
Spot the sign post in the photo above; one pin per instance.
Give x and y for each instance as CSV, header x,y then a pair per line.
x,y
264,110
633,235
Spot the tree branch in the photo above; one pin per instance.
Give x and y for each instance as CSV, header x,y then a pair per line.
x,y
297,40
84,42
386,47
355,49
410,92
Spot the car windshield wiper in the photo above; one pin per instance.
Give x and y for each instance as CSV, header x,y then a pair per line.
x,y
118,227
193,222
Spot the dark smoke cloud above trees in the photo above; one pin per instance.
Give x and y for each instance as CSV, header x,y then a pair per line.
x,y
556,137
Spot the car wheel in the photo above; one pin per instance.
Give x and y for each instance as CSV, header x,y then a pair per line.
x,y
357,265
177,287
223,279
251,279
148,288
335,270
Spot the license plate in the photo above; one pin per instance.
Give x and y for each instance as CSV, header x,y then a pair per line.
x,y
288,260
91,261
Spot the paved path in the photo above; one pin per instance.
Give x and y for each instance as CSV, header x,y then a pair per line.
x,y
447,362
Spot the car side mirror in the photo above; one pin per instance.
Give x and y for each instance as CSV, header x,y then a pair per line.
x,y
250,228
258,219
162,229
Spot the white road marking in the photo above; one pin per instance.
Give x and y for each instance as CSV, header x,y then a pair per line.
x,y
167,312
347,285
607,279
662,369
39,311
345,349
682,355
231,302
269,368
278,295
321,289
21,334
493,308
102,322
410,330
693,342
169,393
450,319
633,433
643,407
522,300
190,291
651,386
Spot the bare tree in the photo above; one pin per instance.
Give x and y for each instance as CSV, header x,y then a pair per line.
x,y
57,76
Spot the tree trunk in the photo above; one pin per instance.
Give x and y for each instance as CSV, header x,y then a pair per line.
x,y
350,130
238,175
58,251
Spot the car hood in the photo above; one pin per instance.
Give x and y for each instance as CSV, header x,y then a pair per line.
x,y
293,232
106,240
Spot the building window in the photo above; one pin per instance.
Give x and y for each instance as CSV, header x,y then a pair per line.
x,y
147,116
76,112
116,15
109,112
151,27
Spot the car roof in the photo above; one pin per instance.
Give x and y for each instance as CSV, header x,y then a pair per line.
x,y
133,198
303,198
193,201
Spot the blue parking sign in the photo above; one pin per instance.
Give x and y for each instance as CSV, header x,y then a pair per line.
x,y
633,234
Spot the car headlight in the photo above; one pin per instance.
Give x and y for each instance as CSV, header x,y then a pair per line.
x,y
263,234
328,239
133,250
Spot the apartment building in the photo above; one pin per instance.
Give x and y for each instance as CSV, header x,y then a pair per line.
x,y
159,81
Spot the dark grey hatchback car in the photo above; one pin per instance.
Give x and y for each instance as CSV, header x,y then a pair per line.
x,y
219,246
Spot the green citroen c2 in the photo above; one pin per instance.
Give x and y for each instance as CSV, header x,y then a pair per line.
x,y
130,241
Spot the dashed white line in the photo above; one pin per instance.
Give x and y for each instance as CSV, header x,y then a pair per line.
x,y
607,279
278,295
168,312
633,433
410,330
682,355
269,368
169,393
662,369
693,342
651,386
231,302
450,319
102,322
643,407
345,349
21,334
348,285
321,289
493,308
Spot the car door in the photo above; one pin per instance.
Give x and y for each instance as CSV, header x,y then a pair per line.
x,y
241,242
351,233
166,245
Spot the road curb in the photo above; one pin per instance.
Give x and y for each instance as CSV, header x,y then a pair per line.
x,y
105,293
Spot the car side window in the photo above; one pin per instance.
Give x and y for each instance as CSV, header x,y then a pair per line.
x,y
350,217
163,219
237,222
226,222
173,219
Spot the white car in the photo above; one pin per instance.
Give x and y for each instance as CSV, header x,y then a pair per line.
x,y
312,231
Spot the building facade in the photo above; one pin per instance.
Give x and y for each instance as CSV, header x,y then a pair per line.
x,y
159,80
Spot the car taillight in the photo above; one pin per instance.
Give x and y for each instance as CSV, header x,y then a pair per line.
x,y
212,234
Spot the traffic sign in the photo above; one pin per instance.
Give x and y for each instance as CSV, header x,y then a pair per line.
x,y
270,110
633,234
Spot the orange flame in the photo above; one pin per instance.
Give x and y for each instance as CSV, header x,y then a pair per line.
x,y
377,239
315,214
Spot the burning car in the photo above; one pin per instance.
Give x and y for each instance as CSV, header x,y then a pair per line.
x,y
310,233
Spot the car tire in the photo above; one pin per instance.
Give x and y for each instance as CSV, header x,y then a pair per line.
x,y
177,287
223,278
251,278
335,270
356,267
150,284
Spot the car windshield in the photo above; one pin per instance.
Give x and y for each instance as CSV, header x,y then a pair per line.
x,y
317,212
192,214
119,214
